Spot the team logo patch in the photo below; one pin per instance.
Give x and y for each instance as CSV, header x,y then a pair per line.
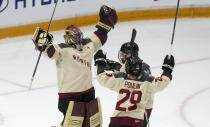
x,y
3,5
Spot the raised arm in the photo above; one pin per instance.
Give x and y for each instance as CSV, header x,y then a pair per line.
x,y
43,42
105,79
107,20
162,82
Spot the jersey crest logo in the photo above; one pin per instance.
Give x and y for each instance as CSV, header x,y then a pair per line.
x,y
82,61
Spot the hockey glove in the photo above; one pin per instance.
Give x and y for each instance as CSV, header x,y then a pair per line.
x,y
100,58
41,39
168,64
113,65
108,18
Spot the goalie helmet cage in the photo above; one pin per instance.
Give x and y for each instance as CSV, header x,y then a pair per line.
x,y
40,54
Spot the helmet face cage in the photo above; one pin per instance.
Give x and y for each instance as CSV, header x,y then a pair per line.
x,y
127,49
73,35
123,56
133,66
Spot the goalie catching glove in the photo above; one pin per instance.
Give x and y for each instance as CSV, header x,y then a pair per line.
x,y
108,18
41,39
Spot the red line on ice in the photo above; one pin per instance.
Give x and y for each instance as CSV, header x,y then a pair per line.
x,y
26,90
183,105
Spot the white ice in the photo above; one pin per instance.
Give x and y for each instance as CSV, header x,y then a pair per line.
x,y
184,103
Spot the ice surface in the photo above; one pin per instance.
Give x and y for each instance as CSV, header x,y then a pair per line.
x,y
184,103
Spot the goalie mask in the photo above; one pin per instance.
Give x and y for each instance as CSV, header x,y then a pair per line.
x,y
128,49
133,66
73,36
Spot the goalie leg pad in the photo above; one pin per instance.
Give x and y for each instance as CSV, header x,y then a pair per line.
x,y
75,114
93,114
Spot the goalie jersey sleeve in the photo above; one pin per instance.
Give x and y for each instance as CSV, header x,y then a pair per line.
x,y
133,95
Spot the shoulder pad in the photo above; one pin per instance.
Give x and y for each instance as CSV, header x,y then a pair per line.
x,y
145,65
85,41
145,68
120,75
63,45
146,77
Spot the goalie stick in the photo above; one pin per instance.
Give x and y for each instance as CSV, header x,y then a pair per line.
x,y
37,63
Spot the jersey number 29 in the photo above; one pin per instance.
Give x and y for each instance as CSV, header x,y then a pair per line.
x,y
131,96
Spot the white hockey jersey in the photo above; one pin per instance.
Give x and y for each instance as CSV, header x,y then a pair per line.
x,y
147,70
133,95
73,67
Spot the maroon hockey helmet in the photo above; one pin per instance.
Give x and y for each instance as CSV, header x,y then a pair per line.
x,y
73,35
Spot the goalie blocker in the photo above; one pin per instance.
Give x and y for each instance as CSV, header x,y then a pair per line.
x,y
84,114
41,39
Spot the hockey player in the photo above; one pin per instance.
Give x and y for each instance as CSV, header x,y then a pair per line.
x,y
133,87
73,62
126,50
129,49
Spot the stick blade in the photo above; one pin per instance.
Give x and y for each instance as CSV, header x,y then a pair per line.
x,y
133,36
